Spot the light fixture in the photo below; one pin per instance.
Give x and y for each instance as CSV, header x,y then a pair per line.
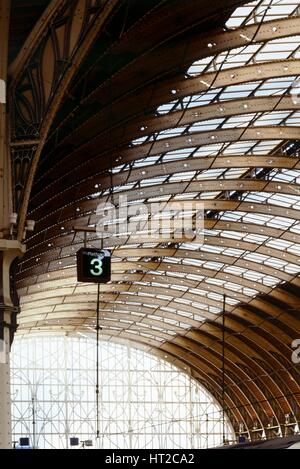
x,y
30,224
13,218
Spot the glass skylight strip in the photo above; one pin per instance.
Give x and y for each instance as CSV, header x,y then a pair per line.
x,y
255,12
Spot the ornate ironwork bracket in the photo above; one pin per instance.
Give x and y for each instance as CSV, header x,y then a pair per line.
x,y
57,47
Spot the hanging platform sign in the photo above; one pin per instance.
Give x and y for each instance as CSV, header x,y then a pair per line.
x,y
94,265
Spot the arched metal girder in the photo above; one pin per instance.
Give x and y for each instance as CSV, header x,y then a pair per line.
x,y
185,88
249,400
58,253
52,222
196,139
59,250
62,304
181,165
237,402
80,304
144,322
237,353
151,124
132,127
60,194
81,307
255,344
122,282
209,204
164,268
255,401
136,299
182,254
232,369
188,52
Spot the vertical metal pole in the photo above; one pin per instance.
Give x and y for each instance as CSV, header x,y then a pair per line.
x,y
129,397
223,368
207,431
97,364
33,424
191,410
67,394
98,329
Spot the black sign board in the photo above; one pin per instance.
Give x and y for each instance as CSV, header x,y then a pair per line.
x,y
94,265
74,441
24,442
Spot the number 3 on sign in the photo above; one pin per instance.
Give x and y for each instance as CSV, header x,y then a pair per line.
x,y
96,269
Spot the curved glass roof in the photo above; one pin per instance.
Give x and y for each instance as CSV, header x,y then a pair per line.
x,y
226,134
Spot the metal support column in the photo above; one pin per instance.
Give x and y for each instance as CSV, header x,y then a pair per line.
x,y
9,308
9,248
5,399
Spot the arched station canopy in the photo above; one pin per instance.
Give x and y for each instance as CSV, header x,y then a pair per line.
x,y
194,101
